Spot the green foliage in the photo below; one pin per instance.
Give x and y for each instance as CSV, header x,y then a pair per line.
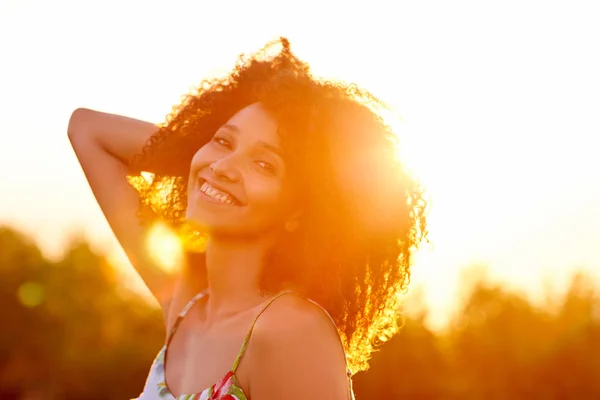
x,y
498,347
71,331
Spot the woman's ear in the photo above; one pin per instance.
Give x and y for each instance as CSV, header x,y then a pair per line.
x,y
293,222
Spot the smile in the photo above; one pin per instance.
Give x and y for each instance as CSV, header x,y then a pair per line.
x,y
218,195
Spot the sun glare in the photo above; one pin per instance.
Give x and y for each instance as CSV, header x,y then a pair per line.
x,y
164,247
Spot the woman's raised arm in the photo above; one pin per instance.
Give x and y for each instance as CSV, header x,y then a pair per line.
x,y
104,145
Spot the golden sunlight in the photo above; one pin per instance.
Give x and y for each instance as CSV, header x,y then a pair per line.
x,y
164,247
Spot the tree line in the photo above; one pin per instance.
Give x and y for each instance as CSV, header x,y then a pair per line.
x,y
71,330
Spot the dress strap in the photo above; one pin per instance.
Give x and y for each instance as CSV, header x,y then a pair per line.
x,y
236,363
247,339
184,312
349,373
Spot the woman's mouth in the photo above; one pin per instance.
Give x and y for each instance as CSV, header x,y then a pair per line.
x,y
218,195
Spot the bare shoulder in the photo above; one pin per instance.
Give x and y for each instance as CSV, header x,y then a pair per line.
x,y
296,353
290,314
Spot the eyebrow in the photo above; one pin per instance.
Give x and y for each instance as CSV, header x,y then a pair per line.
x,y
230,128
265,145
272,148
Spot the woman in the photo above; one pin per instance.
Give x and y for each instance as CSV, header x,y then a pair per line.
x,y
309,220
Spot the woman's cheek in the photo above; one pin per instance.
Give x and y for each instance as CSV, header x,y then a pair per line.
x,y
268,193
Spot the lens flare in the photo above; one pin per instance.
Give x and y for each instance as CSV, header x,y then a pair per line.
x,y
164,247
31,294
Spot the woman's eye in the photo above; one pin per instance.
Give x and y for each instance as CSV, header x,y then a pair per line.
x,y
266,166
222,141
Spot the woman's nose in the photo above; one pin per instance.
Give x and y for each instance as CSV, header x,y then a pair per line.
x,y
227,168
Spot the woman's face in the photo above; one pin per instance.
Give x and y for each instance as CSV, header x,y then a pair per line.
x,y
236,182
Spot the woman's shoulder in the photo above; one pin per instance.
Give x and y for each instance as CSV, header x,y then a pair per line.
x,y
294,327
296,345
290,313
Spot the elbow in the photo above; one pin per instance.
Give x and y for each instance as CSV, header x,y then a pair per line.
x,y
78,122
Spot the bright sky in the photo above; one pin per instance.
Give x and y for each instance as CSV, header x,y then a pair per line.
x,y
500,104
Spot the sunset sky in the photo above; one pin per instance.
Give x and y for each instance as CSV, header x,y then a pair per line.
x,y
500,108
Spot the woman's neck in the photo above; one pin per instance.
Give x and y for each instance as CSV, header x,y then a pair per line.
x,y
233,270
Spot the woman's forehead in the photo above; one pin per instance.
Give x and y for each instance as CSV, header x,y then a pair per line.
x,y
255,121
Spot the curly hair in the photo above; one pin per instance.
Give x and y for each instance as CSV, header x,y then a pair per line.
x,y
363,215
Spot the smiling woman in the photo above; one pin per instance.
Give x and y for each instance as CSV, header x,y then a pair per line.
x,y
307,221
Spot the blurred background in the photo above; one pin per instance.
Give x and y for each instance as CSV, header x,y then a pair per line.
x,y
497,107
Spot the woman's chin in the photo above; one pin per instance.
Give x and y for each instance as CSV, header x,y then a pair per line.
x,y
206,221
196,219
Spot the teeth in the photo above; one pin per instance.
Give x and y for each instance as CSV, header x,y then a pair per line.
x,y
216,194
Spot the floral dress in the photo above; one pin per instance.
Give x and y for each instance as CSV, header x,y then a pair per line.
x,y
226,388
